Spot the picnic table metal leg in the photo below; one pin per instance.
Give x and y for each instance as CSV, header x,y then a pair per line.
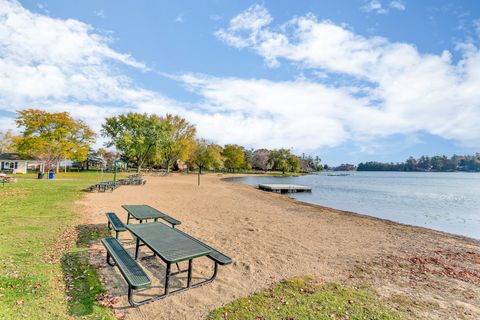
x,y
137,246
166,293
189,277
108,260
128,218
167,278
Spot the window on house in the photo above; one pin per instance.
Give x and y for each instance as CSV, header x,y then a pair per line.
x,y
9,165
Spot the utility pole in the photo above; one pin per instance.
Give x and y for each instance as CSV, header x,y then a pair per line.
x,y
115,170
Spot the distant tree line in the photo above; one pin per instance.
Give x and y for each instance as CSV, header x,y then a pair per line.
x,y
469,163
141,141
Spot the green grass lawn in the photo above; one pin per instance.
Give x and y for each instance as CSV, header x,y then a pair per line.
x,y
44,272
301,298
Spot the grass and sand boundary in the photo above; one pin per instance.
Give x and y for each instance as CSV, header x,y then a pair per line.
x,y
46,273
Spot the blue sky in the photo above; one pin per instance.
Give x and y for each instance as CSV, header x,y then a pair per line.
x,y
346,80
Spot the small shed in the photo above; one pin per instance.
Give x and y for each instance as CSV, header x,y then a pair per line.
x,y
17,163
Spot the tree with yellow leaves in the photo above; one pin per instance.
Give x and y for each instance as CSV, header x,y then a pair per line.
x,y
177,141
52,137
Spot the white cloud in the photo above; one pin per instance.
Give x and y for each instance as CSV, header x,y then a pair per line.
x,y
59,64
99,13
42,58
64,65
383,7
476,26
398,5
179,18
249,22
215,17
406,91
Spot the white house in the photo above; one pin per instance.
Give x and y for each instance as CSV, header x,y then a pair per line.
x,y
16,163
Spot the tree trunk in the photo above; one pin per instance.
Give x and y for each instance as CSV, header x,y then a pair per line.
x,y
168,166
199,173
57,167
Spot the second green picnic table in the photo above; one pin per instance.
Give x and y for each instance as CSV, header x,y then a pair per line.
x,y
143,212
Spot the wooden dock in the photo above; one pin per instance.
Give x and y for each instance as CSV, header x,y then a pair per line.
x,y
284,188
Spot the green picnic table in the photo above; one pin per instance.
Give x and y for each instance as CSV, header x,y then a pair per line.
x,y
143,212
173,246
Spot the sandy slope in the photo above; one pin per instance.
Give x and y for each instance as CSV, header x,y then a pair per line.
x,y
271,237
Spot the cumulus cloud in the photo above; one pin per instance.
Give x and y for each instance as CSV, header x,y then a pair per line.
x,y
389,88
380,7
243,29
60,64
405,90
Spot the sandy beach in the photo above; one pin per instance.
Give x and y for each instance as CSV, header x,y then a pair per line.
x,y
270,237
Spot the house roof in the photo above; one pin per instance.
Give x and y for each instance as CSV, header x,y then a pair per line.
x,y
13,156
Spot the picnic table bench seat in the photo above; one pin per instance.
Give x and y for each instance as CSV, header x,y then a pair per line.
x,y
115,223
174,222
133,273
215,255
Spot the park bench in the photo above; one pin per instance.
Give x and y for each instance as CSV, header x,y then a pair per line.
x,y
115,223
131,271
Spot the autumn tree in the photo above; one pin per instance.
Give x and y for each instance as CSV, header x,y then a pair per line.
x,y
233,157
283,160
177,140
260,159
293,163
6,141
136,135
205,155
52,137
108,157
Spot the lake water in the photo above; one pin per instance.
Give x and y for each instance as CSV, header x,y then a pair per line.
x,y
443,201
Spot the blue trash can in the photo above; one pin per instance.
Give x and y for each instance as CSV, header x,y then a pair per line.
x,y
51,175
